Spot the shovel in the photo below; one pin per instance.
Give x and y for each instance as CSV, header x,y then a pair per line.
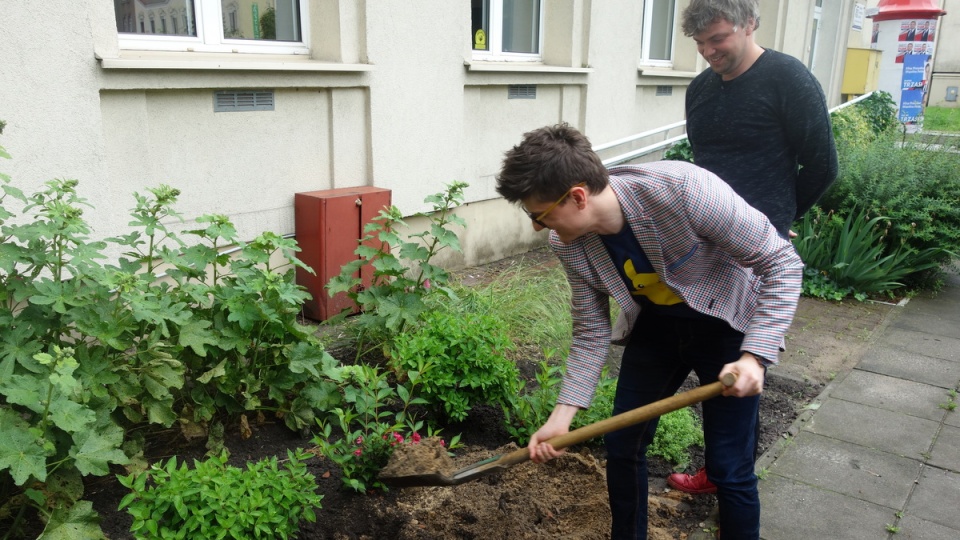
x,y
505,461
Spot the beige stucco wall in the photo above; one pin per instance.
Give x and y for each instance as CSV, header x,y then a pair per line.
x,y
397,103
946,62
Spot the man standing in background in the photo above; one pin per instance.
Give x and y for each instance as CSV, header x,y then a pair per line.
x,y
758,119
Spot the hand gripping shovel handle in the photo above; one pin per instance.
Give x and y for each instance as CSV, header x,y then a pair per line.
x,y
585,433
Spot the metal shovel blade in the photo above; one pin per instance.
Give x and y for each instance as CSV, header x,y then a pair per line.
x,y
505,461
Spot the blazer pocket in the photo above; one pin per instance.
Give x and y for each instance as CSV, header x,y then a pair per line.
x,y
679,268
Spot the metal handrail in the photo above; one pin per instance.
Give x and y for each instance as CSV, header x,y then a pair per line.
x,y
646,150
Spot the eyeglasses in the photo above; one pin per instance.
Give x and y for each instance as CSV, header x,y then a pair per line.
x,y
538,218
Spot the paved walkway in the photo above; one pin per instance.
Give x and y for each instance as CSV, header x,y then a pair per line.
x,y
877,455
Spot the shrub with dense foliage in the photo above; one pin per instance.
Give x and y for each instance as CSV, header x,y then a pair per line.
x,y
915,186
169,334
216,500
461,360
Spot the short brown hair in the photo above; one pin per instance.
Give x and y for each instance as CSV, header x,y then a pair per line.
x,y
548,162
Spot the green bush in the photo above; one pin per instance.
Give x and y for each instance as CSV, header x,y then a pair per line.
x,y
852,255
93,349
676,433
461,360
403,275
372,421
217,500
681,151
916,186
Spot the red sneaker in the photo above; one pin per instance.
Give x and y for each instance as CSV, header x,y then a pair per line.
x,y
692,483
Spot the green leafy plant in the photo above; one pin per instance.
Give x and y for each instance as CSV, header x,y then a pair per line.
x,y
375,418
461,361
681,151
914,184
880,111
852,255
91,350
403,274
676,433
530,410
217,500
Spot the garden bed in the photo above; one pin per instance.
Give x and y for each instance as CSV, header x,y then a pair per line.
x,y
564,498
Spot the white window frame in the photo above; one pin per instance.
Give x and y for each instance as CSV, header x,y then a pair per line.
x,y
494,52
648,23
210,31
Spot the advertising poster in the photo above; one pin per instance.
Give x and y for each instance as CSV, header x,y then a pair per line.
x,y
912,88
916,37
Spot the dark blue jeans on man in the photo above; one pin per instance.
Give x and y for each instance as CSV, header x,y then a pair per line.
x,y
661,353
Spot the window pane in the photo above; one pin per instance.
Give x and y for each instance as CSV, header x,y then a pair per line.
x,y
661,30
160,17
246,19
480,15
521,26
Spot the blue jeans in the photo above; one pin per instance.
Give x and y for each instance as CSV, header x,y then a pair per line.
x,y
661,353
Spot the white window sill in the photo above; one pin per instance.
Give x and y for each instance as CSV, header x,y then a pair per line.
x,y
221,61
522,67
648,71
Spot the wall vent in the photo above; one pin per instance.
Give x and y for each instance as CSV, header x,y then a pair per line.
x,y
242,100
664,90
522,91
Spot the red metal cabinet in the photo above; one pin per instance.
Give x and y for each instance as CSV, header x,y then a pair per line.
x,y
329,224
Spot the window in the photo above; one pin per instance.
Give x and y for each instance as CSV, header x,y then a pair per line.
x,y
506,29
658,32
267,26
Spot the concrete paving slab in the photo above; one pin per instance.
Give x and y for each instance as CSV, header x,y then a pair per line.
x,y
923,343
936,497
944,323
914,528
792,511
952,418
946,450
874,476
892,432
911,366
892,394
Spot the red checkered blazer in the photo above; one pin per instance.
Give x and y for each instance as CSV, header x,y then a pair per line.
x,y
719,254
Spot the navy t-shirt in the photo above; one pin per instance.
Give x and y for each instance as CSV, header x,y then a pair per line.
x,y
643,282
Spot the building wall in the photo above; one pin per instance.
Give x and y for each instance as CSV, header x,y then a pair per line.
x,y
389,97
946,61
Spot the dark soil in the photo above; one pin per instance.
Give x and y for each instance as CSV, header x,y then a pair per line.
x,y
565,498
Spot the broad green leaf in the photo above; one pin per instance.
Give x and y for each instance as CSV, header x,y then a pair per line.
x,y
78,522
217,371
66,481
95,449
70,416
20,450
195,334
27,391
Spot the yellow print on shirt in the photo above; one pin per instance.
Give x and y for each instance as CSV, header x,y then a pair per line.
x,y
649,285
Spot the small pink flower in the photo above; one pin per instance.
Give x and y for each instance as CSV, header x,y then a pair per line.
x,y
442,443
358,451
397,437
359,440
416,437
426,284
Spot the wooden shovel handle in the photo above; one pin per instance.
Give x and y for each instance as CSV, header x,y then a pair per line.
x,y
629,418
